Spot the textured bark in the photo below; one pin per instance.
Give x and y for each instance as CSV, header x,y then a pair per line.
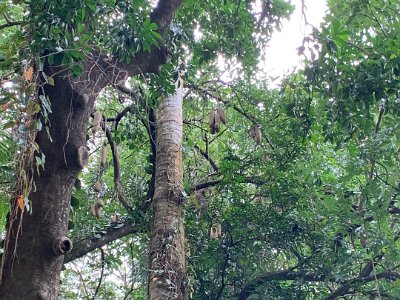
x,y
90,244
167,261
31,268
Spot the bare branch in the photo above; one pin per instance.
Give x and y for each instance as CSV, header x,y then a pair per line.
x,y
101,273
10,24
207,184
89,244
207,156
151,127
119,116
117,173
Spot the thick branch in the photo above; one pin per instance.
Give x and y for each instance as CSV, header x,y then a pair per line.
x,y
163,14
145,62
369,267
89,244
204,185
346,287
112,71
365,272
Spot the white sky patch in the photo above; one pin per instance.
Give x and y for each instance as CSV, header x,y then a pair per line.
x,y
198,34
281,54
229,68
7,84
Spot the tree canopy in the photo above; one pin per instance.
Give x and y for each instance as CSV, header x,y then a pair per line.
x,y
288,192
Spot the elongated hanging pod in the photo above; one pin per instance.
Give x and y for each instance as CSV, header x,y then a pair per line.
x,y
97,118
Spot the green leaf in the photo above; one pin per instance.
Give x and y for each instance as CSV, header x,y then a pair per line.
x,y
153,26
74,201
76,70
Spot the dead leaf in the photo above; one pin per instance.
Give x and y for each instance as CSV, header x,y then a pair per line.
x,y
21,204
28,74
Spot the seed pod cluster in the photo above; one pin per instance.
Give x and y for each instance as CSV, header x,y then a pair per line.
x,y
255,133
97,118
97,186
214,120
216,231
221,114
201,202
115,218
363,241
95,209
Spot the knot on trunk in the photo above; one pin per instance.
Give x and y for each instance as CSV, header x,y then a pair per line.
x,y
62,245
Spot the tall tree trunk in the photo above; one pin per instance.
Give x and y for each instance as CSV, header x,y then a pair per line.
x,y
167,261
35,244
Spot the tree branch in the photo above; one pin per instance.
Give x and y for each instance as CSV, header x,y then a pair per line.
x,y
163,14
101,273
145,62
252,119
117,173
89,244
207,157
224,266
119,116
290,275
113,71
151,127
390,275
9,23
207,184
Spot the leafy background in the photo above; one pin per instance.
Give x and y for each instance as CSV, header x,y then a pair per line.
x,y
317,198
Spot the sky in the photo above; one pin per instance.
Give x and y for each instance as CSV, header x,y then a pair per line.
x,y
281,54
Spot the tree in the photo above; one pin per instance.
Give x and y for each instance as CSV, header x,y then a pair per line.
x,y
66,100
293,196
167,257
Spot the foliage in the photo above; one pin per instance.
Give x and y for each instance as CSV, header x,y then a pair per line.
x,y
317,199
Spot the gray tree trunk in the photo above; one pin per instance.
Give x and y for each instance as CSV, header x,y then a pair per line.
x,y
167,261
